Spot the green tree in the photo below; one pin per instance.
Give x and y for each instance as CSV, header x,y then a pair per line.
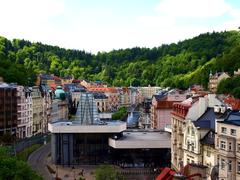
x,y
11,168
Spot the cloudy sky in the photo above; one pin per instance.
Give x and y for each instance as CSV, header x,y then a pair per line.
x,y
103,25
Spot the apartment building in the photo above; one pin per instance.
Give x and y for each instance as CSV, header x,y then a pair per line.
x,y
199,139
227,146
8,109
38,124
25,112
149,91
59,106
215,79
101,102
161,108
189,110
112,94
124,96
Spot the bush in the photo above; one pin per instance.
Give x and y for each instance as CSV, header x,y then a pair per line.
x,y
107,172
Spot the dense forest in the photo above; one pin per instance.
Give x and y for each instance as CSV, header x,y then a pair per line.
x,y
176,65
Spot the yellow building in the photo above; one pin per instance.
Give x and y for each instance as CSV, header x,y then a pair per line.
x,y
37,110
215,79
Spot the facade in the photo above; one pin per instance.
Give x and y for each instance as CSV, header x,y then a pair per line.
x,y
179,113
148,92
189,110
8,109
237,73
67,80
59,106
89,140
37,100
199,141
124,97
228,147
25,113
112,94
215,79
47,106
45,79
161,108
101,101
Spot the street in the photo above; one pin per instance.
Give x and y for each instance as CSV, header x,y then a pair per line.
x,y
37,160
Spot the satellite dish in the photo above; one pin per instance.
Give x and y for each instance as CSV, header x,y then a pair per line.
x,y
214,173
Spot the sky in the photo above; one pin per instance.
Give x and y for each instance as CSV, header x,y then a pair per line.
x,y
104,25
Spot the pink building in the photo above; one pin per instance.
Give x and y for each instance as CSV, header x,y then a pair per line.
x,y
161,109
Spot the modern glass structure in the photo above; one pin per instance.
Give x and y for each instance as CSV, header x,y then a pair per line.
x,y
88,140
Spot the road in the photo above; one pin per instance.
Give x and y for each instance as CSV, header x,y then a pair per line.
x,y
37,160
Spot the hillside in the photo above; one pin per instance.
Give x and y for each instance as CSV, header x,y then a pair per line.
x,y
176,65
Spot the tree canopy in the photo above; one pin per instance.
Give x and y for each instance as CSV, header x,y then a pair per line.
x,y
12,168
176,65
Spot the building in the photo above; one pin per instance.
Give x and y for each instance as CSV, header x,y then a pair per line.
x,y
101,101
45,79
67,80
8,109
59,106
89,140
149,91
189,110
25,112
37,101
199,140
124,97
227,145
161,108
237,73
47,95
215,79
112,94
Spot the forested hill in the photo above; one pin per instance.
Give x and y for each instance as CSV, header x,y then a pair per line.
x,y
176,65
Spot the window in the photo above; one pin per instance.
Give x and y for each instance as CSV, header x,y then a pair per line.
x,y
223,145
230,146
223,164
224,130
192,147
233,132
238,167
229,165
208,153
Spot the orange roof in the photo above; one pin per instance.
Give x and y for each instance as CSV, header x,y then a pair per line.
x,y
102,89
234,103
57,78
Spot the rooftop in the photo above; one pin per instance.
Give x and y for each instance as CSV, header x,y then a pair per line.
x,y
76,127
233,118
144,139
